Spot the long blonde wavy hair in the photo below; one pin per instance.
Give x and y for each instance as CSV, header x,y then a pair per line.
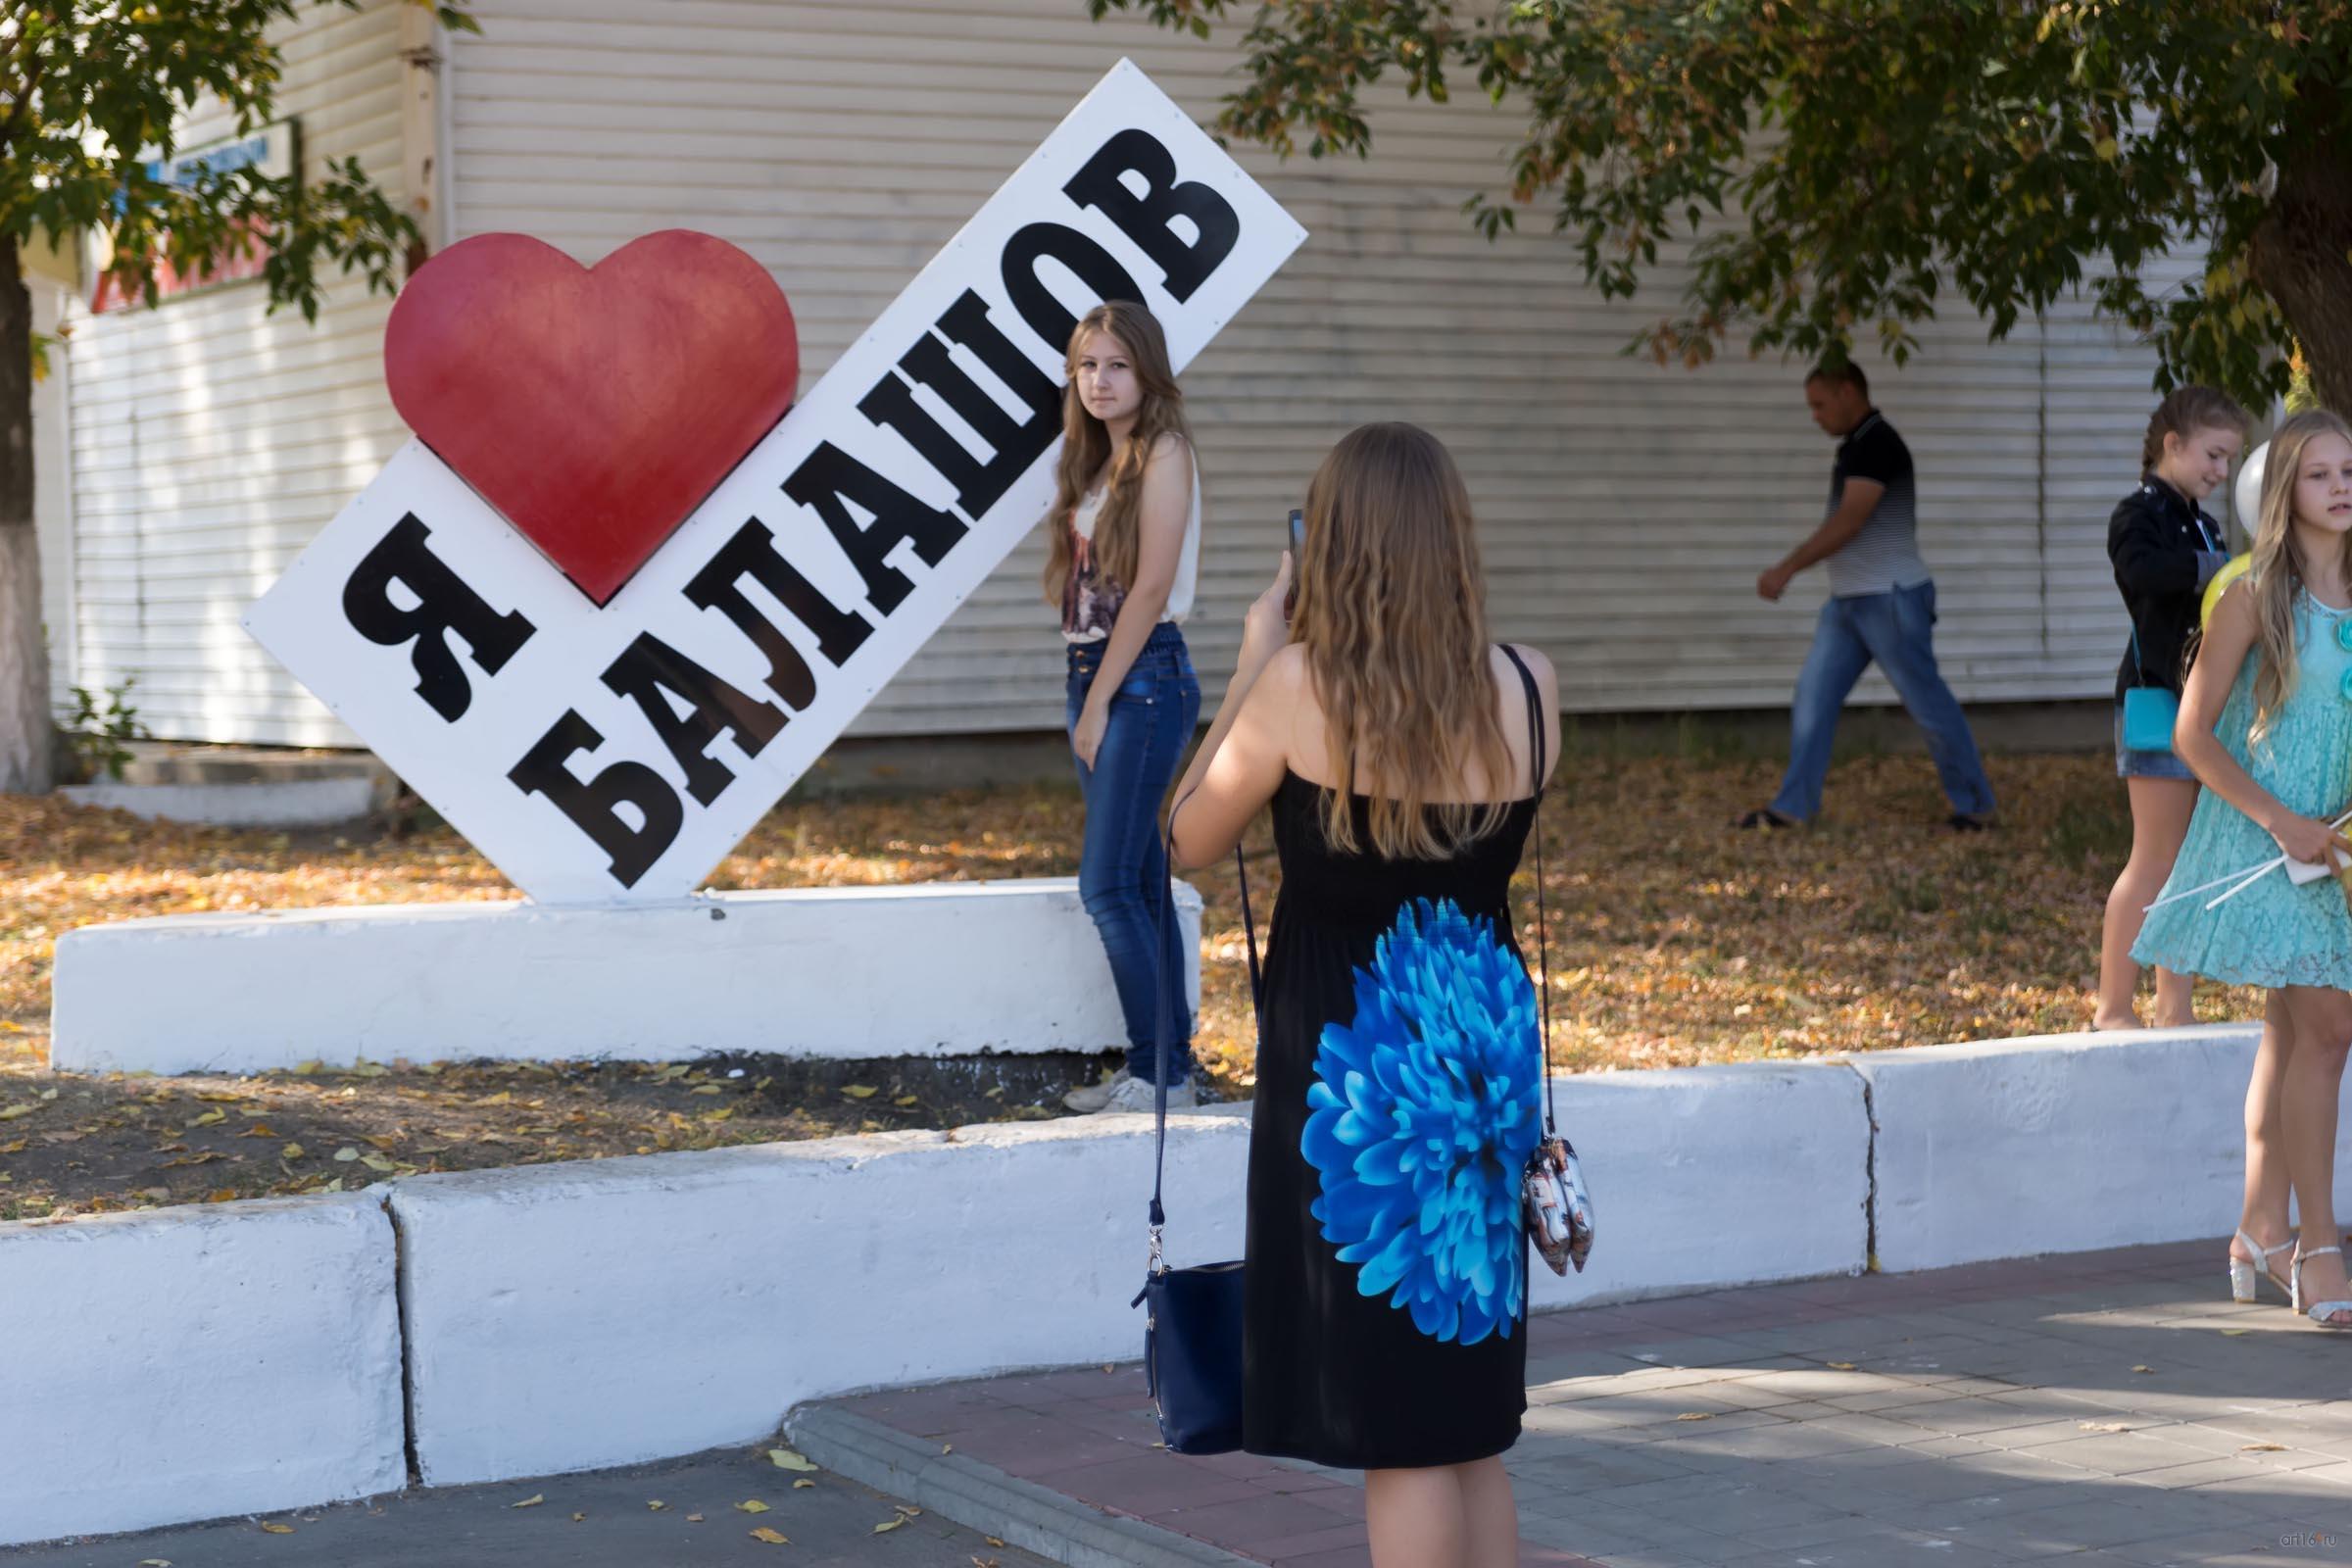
x,y
1392,613
1086,446
2275,574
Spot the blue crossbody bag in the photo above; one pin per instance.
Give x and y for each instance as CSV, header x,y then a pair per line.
x,y
2149,711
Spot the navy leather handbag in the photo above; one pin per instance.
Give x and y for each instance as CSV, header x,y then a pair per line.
x,y
1192,1316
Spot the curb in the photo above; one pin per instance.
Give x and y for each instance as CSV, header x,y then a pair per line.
x,y
1019,1512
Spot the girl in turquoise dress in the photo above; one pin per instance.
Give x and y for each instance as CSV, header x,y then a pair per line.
x,y
2266,724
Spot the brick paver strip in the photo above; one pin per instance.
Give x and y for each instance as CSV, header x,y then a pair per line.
x,y
2102,1408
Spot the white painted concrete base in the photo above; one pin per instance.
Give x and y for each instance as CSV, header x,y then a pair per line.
x,y
199,1361
564,1317
1714,1176
943,968
2062,1144
196,1362
284,803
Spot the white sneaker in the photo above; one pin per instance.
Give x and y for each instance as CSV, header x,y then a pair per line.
x,y
1137,1094
1093,1097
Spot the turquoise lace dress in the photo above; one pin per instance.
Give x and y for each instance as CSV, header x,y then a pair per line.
x,y
2273,933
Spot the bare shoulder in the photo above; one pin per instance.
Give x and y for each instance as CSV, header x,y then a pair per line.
x,y
2235,612
1286,677
1547,679
1167,444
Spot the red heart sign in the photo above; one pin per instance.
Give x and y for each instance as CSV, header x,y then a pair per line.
x,y
594,406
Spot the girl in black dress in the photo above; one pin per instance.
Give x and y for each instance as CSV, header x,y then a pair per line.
x,y
1398,1071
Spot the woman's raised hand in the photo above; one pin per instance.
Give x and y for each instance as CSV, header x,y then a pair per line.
x,y
1265,628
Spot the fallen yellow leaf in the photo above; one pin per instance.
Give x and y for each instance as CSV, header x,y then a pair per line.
x,y
908,1099
1839,1366
890,1524
290,1151
259,1129
346,1155
12,1113
2143,1370
1689,1415
209,1119
860,1091
704,1088
531,1501
798,1484
2262,1447
657,1505
304,1070
773,1538
277,1529
750,1505
787,1459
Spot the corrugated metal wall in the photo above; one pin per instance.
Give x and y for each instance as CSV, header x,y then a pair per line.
x,y
211,441
1626,510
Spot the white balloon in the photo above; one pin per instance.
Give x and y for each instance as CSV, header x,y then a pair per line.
x,y
2248,493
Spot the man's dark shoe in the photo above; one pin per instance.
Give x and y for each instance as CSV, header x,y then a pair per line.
x,y
1764,817
1962,822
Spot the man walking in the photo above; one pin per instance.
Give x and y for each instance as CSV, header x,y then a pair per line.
x,y
1882,606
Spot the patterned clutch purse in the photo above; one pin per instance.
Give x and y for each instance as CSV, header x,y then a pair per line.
x,y
1558,1210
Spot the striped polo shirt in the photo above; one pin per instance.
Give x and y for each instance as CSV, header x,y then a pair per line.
x,y
1885,555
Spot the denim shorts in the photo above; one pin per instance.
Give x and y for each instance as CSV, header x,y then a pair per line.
x,y
2146,764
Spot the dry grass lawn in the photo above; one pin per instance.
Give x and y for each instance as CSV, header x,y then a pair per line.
x,y
1673,941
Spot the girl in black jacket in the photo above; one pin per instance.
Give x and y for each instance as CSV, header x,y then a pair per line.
x,y
2165,550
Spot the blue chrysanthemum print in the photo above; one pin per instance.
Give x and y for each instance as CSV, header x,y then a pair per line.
x,y
1421,1118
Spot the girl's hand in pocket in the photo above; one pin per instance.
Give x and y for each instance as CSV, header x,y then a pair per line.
x,y
1086,739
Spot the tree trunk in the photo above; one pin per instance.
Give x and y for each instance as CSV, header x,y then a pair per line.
x,y
2302,253
27,734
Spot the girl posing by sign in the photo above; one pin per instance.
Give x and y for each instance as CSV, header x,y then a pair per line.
x,y
1126,549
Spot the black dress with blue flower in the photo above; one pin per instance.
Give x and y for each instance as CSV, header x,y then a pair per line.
x,y
1398,1075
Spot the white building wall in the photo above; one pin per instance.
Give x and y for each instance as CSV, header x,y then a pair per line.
x,y
210,439
1626,509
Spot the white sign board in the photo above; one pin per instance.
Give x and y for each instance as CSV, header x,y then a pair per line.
x,y
616,755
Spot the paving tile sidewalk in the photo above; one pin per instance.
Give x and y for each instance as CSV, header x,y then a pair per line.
x,y
2105,1408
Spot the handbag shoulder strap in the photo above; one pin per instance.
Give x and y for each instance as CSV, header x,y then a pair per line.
x,y
1537,759
1164,1021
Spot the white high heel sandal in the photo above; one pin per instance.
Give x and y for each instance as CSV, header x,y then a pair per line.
x,y
2246,1275
2325,1315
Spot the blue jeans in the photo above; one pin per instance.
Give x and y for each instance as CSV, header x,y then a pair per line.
x,y
1897,629
1123,868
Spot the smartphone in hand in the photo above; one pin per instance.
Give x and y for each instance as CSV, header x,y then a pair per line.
x,y
1295,541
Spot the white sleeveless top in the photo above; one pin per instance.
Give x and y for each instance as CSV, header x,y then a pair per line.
x,y
1090,603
